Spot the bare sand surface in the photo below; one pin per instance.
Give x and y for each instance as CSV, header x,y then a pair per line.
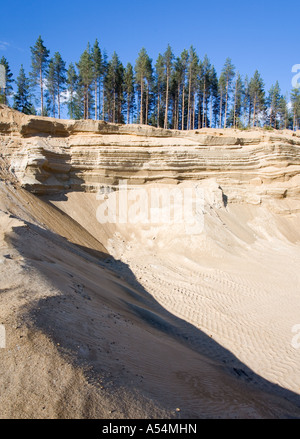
x,y
137,321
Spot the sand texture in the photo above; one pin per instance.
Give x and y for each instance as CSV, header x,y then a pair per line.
x,y
122,320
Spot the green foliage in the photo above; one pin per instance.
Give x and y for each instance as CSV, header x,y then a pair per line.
x,y
7,91
182,92
39,62
22,97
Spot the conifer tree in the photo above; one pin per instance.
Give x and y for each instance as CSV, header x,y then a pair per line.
x,y
72,82
160,80
222,93
86,76
22,98
193,67
39,62
273,102
114,89
97,72
129,90
56,79
295,100
142,65
103,77
51,89
59,78
168,61
204,86
214,96
228,73
177,87
7,90
257,96
284,114
184,57
238,100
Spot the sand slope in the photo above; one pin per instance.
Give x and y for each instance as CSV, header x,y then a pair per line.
x,y
150,330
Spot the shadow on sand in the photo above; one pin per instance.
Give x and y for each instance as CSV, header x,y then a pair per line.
x,y
85,296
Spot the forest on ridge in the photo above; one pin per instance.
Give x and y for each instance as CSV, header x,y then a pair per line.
x,y
177,92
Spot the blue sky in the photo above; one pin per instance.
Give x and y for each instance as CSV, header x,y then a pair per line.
x,y
261,35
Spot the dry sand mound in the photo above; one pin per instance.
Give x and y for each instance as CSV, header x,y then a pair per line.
x,y
137,320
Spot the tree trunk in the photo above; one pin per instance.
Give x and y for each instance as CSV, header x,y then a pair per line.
x,y
210,111
42,97
234,108
87,103
158,107
114,107
96,90
167,104
182,109
221,103
53,103
58,100
147,102
254,110
103,102
203,104
226,99
294,120
128,108
189,103
141,106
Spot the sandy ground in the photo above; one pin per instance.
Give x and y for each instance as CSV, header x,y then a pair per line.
x,y
137,321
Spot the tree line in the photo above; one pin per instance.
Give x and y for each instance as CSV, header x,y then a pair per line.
x,y
178,92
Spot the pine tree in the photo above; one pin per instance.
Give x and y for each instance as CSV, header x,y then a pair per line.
x,y
72,82
22,96
228,73
247,104
257,96
97,72
214,96
193,67
103,77
273,102
56,79
114,89
129,90
142,65
149,86
284,114
159,81
39,62
7,90
86,76
168,61
238,100
204,86
184,57
295,100
51,88
60,78
222,93
177,81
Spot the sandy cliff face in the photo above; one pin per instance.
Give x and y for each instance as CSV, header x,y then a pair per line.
x,y
48,156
